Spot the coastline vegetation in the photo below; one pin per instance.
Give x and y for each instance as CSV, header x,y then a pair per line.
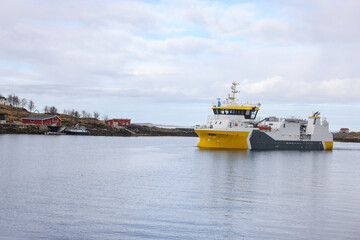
x,y
95,126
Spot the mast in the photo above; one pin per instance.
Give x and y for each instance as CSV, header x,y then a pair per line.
x,y
233,91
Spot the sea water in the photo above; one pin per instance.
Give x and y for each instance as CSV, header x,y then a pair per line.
x,y
78,187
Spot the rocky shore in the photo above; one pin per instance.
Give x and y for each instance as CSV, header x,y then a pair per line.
x,y
132,130
139,130
347,137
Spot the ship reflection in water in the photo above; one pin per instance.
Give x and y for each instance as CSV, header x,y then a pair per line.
x,y
167,188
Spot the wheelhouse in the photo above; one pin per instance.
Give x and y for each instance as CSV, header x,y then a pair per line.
x,y
247,112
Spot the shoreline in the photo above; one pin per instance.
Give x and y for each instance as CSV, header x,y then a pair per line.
x,y
129,131
347,137
143,131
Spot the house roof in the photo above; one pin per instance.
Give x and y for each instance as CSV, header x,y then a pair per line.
x,y
344,129
118,119
40,117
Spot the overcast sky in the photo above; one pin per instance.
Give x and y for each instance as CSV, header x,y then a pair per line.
x,y
167,61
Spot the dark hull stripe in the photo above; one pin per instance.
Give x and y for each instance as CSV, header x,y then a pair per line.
x,y
262,141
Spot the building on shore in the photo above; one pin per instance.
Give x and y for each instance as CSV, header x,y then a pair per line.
x,y
45,120
4,117
344,130
3,100
118,122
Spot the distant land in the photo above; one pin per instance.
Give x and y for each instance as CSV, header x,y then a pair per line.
x,y
98,127
95,126
347,137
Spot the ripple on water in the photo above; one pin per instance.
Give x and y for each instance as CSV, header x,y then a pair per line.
x,y
166,188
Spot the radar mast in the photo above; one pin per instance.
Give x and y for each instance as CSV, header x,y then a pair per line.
x,y
233,91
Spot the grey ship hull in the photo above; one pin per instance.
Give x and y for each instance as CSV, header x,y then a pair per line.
x,y
262,141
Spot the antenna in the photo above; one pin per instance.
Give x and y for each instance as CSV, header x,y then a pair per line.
x,y
317,113
233,91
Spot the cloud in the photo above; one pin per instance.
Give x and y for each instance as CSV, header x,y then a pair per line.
x,y
331,22
280,89
280,51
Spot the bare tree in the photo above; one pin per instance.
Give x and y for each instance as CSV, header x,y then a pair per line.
x,y
53,110
96,115
76,115
16,100
10,99
85,114
13,100
23,102
31,105
106,118
46,109
71,112
65,111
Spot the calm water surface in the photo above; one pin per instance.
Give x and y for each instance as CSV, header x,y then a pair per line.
x,y
75,187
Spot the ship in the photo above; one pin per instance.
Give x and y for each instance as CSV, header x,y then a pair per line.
x,y
235,125
77,130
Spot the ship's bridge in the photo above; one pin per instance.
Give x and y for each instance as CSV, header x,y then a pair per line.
x,y
249,112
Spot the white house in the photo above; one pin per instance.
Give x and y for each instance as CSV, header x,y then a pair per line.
x,y
3,101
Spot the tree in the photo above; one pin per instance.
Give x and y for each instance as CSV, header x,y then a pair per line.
x,y
106,118
76,115
46,109
13,100
71,112
83,113
53,110
10,99
16,100
23,102
96,115
31,105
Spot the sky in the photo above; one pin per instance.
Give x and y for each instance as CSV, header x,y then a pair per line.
x,y
166,62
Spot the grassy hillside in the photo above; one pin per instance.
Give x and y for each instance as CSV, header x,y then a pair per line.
x,y
96,127
16,114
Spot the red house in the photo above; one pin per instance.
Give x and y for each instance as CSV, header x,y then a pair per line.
x,y
47,120
118,122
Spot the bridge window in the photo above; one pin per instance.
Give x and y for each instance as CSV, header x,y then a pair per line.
x,y
248,114
251,114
